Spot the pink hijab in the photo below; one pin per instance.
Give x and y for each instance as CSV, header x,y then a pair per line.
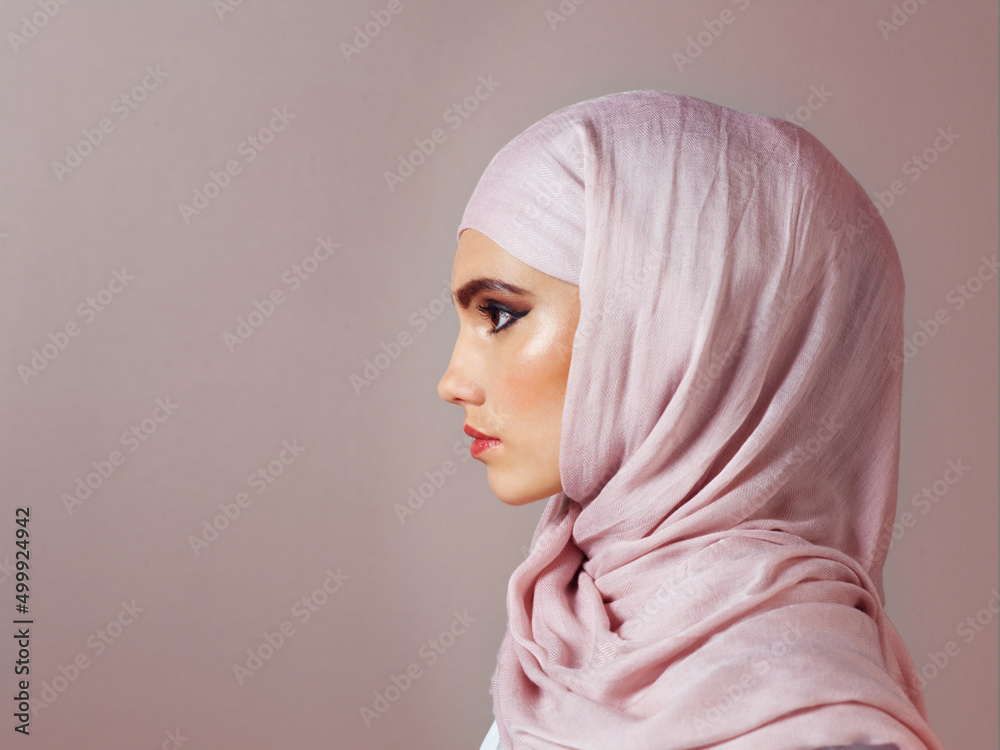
x,y
711,574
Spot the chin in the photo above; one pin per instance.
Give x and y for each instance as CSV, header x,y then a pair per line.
x,y
517,493
518,500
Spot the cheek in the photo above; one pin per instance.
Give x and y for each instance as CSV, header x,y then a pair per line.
x,y
535,382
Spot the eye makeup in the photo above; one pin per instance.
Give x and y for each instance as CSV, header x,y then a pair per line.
x,y
492,309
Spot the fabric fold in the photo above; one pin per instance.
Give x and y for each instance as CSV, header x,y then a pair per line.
x,y
711,574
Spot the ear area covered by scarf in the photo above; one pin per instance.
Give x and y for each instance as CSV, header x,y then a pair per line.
x,y
711,573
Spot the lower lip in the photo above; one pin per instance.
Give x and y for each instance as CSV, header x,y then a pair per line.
x,y
481,445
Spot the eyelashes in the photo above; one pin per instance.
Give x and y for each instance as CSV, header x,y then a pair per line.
x,y
492,310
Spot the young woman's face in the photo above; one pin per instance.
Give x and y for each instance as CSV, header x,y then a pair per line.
x,y
510,365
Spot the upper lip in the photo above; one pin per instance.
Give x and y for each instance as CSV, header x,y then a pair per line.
x,y
477,434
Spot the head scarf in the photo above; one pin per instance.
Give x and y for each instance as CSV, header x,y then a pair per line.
x,y
710,575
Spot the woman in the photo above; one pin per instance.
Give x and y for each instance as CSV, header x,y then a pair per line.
x,y
678,322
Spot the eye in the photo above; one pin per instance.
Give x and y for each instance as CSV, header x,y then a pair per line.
x,y
505,317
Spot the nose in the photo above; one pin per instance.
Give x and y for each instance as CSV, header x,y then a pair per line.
x,y
457,386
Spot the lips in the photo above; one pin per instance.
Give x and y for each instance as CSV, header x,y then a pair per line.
x,y
477,434
482,442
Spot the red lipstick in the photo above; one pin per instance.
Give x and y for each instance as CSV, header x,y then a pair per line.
x,y
482,443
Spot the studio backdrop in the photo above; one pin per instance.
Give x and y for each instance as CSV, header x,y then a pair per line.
x,y
236,513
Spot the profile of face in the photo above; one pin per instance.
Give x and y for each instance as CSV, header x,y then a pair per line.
x,y
510,365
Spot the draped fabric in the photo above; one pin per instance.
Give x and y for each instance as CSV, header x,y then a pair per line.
x,y
711,574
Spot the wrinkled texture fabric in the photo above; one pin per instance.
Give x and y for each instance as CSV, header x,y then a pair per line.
x,y
711,574
492,742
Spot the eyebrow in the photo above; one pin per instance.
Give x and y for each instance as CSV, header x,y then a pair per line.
x,y
470,289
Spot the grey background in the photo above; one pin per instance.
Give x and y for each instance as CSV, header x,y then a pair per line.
x,y
170,668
